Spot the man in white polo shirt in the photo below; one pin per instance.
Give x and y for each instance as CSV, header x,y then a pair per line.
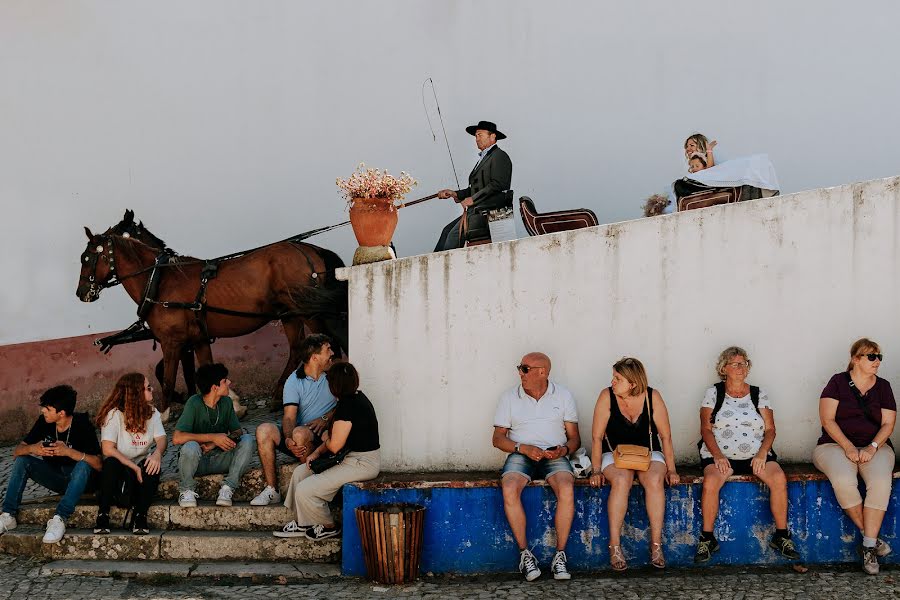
x,y
536,422
308,406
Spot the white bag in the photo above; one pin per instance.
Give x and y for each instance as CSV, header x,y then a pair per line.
x,y
581,463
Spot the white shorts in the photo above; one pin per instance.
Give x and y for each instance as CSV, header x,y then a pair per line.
x,y
607,459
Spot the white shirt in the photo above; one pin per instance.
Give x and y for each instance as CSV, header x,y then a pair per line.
x,y
536,422
739,429
133,445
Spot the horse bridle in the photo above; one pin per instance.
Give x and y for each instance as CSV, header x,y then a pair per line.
x,y
105,250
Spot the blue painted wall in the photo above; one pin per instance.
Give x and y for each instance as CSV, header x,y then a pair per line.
x,y
466,530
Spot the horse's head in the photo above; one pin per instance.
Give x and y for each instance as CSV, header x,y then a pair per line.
x,y
98,267
128,228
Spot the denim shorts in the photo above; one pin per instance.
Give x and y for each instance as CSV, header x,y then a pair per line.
x,y
541,469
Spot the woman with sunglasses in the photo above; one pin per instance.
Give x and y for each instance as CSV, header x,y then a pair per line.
x,y
737,430
631,412
129,426
858,412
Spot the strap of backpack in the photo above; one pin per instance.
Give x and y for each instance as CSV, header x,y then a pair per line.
x,y
649,418
754,397
720,399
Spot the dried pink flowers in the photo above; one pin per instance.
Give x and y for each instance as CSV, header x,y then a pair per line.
x,y
374,183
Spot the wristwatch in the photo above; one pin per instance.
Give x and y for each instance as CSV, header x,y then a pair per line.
x,y
874,445
517,448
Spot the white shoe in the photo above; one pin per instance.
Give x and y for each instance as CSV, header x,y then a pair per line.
x,y
266,497
7,523
56,529
291,530
225,493
528,565
187,499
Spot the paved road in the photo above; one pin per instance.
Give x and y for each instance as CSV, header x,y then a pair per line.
x,y
19,580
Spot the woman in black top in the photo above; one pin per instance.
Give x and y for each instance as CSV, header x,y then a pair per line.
x,y
630,412
354,427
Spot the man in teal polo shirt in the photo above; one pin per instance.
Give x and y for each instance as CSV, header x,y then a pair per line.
x,y
308,406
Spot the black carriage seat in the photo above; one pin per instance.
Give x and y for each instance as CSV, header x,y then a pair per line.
x,y
561,220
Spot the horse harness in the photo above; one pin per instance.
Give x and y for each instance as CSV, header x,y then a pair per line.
x,y
165,259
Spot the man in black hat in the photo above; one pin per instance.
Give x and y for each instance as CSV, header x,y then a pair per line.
x,y
489,184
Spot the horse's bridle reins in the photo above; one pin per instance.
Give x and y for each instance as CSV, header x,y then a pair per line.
x,y
105,250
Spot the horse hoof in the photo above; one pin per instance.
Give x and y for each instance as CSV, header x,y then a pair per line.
x,y
164,415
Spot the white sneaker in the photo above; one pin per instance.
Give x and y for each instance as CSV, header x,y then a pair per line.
x,y
266,497
291,530
558,566
7,523
528,565
225,493
56,529
187,499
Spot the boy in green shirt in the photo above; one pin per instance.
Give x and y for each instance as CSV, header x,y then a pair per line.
x,y
211,438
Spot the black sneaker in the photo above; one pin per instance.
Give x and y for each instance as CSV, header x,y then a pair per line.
x,y
785,546
139,525
320,532
705,550
102,525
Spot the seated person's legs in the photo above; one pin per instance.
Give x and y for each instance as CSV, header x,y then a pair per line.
x,y
79,479
189,458
32,468
517,472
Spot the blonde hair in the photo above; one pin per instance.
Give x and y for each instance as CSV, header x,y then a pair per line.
x,y
632,370
726,356
857,350
700,139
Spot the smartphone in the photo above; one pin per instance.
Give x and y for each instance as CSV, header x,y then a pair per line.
x,y
48,442
236,436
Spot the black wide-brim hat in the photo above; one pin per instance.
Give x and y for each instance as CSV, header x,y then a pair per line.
x,y
487,126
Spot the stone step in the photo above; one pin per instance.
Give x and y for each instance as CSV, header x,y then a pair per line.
x,y
170,546
252,483
256,572
169,516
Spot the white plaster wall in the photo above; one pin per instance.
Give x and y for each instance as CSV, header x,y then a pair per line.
x,y
224,123
794,280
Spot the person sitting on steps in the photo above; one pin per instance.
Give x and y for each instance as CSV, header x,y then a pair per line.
x,y
211,438
60,453
308,408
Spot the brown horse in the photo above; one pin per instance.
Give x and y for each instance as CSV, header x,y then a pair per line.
x,y
289,281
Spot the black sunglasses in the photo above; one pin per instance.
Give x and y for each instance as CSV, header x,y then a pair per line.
x,y
873,357
525,368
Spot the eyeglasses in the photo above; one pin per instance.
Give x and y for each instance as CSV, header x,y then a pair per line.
x,y
738,365
525,368
873,357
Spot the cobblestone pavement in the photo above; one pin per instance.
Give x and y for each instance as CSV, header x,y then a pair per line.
x,y
19,580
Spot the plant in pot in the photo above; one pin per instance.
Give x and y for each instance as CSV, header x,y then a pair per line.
x,y
371,195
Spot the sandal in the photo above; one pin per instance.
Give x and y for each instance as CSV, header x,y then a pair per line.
x,y
617,559
656,555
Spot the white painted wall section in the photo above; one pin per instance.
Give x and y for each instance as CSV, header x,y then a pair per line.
x,y
793,279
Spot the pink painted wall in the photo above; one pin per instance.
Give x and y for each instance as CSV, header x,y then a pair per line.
x,y
255,361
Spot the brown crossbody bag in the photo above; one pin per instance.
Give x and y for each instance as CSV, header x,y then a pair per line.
x,y
632,456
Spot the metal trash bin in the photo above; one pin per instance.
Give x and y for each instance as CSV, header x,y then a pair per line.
x,y
391,536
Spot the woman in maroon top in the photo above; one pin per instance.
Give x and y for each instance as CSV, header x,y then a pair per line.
x,y
858,413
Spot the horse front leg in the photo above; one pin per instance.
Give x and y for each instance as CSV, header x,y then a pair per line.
x,y
171,355
188,370
293,330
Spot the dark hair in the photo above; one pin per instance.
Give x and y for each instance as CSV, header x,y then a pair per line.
x,y
60,397
343,380
210,375
311,344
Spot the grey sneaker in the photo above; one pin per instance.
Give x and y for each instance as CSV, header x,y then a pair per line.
x,y
291,530
558,566
225,494
7,523
882,548
870,561
266,497
528,565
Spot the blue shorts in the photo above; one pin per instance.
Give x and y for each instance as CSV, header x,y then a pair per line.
x,y
541,469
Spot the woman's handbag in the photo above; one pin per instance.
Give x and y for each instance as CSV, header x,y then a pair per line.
x,y
632,456
324,463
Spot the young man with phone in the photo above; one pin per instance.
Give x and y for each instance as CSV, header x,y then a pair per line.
x,y
211,438
61,453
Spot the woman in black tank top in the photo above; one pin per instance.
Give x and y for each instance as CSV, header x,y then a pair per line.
x,y
630,412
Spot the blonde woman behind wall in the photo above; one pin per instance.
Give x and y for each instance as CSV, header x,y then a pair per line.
x,y
858,412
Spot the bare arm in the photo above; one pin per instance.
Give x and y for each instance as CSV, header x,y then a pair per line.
x,y
888,419
598,431
317,426
502,442
710,159
661,420
709,438
337,437
221,440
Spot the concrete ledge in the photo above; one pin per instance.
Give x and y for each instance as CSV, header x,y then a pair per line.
x,y
257,572
121,568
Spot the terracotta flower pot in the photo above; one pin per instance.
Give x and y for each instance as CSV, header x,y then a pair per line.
x,y
373,220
